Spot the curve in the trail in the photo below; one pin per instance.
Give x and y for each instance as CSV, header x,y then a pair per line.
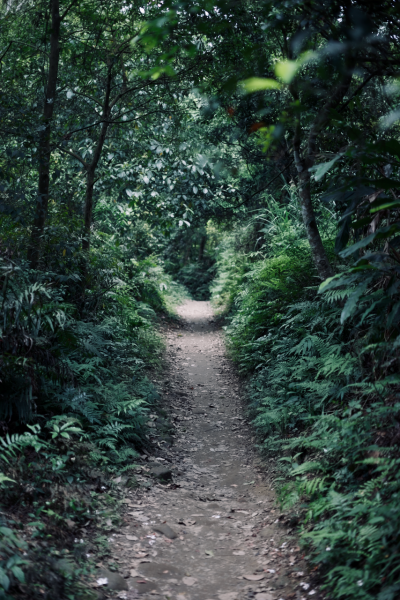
x,y
214,532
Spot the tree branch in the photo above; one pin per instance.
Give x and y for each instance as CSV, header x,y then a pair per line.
x,y
357,91
68,9
5,51
73,154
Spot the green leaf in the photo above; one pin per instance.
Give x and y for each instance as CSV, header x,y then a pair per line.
x,y
306,467
4,580
326,284
383,233
390,205
343,234
75,429
4,478
321,169
351,304
286,70
18,573
257,84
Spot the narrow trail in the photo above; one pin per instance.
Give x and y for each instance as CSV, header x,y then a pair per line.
x,y
213,532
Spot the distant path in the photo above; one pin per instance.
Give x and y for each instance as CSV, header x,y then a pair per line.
x,y
229,544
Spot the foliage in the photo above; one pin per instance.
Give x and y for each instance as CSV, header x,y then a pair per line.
x,y
190,258
324,395
74,379
224,145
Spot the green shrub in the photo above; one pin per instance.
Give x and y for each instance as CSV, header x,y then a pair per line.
x,y
323,392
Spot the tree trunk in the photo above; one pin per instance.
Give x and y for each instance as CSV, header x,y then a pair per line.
x,y
202,247
303,166
88,208
319,255
44,152
188,249
320,258
91,169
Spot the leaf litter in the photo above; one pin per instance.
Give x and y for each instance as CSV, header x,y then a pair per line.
x,y
204,493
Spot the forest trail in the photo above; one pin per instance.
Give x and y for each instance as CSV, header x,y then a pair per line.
x,y
213,532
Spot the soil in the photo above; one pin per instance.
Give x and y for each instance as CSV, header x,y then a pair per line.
x,y
209,527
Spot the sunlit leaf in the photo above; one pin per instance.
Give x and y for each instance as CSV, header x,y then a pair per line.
x,y
257,84
321,169
286,70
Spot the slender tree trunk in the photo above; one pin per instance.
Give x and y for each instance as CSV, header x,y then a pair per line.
x,y
90,181
44,152
319,255
187,252
91,169
88,208
303,166
202,247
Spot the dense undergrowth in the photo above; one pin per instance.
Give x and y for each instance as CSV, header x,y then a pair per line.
x,y
323,367
140,144
76,395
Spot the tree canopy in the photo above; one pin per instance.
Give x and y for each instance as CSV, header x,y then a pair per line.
x,y
251,152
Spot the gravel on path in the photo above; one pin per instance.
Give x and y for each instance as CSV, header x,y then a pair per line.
x,y
210,530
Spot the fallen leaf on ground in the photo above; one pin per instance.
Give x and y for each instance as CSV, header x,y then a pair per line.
x,y
189,580
132,538
252,577
239,552
304,585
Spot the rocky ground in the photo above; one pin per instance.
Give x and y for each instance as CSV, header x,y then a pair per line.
x,y
208,528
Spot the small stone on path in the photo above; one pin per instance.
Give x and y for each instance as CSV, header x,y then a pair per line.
x,y
165,530
161,472
189,580
114,580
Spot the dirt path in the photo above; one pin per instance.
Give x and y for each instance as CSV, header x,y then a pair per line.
x,y
213,532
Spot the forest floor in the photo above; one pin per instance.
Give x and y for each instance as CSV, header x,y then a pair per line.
x,y
213,531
